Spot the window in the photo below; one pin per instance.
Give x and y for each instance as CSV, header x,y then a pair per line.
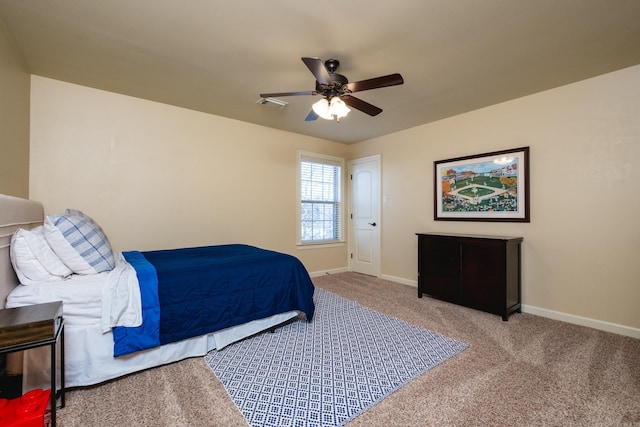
x,y
320,198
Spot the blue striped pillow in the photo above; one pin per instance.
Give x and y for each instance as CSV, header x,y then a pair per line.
x,y
79,242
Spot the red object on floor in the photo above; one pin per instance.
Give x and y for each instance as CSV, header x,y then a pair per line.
x,y
25,411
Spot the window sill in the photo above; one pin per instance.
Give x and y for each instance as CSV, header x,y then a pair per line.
x,y
304,246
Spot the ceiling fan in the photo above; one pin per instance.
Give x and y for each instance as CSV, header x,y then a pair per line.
x,y
336,91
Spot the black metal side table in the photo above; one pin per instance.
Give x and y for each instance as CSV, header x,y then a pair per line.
x,y
23,328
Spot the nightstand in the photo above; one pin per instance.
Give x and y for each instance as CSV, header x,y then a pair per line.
x,y
32,326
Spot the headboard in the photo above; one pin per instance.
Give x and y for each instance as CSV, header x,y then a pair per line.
x,y
15,213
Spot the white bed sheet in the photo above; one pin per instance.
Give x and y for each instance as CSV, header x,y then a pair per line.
x,y
89,351
81,297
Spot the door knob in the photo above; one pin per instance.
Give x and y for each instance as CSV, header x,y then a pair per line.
x,y
373,224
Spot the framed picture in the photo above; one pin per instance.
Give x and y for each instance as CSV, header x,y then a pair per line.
x,y
483,187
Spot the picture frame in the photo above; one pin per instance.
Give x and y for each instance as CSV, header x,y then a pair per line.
x,y
483,187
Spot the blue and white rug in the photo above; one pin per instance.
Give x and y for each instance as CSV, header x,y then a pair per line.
x,y
327,371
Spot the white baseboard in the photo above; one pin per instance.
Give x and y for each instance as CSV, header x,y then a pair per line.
x,y
543,312
333,271
401,280
556,315
583,321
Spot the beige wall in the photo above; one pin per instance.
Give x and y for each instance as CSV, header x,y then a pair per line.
x,y
157,176
581,250
14,119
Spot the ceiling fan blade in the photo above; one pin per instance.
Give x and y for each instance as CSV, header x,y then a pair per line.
x,y
361,105
311,116
275,95
318,69
376,82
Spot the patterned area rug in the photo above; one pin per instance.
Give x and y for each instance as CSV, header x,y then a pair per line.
x,y
329,370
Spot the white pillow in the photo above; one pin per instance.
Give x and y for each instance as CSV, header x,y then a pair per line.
x,y
79,242
33,259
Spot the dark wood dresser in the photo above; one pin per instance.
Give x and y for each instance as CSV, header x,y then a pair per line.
x,y
481,272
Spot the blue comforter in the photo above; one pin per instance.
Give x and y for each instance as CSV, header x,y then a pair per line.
x,y
195,291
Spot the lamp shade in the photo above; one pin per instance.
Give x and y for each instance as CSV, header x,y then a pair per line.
x,y
328,110
338,108
321,108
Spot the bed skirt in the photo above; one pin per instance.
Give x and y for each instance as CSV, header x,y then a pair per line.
x,y
85,368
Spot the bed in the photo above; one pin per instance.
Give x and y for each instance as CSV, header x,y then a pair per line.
x,y
129,311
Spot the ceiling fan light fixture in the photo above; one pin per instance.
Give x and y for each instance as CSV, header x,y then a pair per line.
x,y
329,110
321,108
338,108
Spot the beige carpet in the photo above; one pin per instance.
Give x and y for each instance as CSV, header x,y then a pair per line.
x,y
529,371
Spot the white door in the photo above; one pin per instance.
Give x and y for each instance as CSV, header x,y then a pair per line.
x,y
364,216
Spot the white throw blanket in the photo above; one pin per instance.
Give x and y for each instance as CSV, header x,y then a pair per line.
x,y
121,302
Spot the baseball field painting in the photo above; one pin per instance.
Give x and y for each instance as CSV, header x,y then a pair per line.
x,y
484,187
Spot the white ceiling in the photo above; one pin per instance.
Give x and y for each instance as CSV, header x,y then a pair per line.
x,y
218,56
